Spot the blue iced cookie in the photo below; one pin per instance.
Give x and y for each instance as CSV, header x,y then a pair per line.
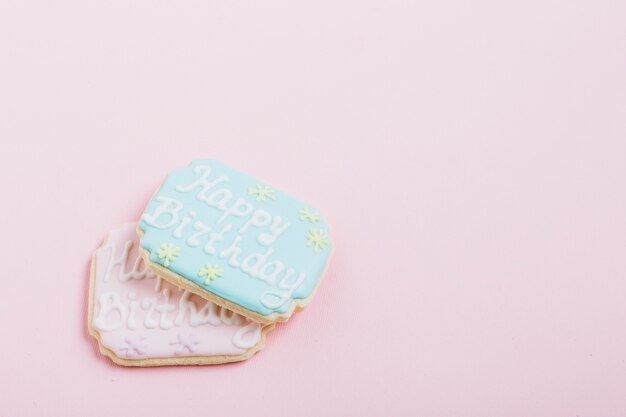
x,y
234,240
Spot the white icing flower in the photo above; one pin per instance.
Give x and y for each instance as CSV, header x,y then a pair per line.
x,y
134,347
185,342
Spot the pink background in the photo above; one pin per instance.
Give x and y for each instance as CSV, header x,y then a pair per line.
x,y
470,156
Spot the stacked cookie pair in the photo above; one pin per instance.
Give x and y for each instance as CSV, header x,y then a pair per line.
x,y
215,261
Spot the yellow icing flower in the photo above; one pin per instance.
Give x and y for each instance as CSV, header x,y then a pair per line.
x,y
318,239
167,252
262,192
307,215
211,271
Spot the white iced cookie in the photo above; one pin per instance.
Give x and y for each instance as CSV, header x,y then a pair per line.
x,y
141,320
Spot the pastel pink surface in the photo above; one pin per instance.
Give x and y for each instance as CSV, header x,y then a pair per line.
x,y
469,155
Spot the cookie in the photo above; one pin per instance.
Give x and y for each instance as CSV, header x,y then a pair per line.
x,y
236,241
139,319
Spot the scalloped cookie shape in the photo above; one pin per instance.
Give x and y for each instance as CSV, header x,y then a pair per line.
x,y
235,240
139,319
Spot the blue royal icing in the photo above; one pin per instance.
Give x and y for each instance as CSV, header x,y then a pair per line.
x,y
236,237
